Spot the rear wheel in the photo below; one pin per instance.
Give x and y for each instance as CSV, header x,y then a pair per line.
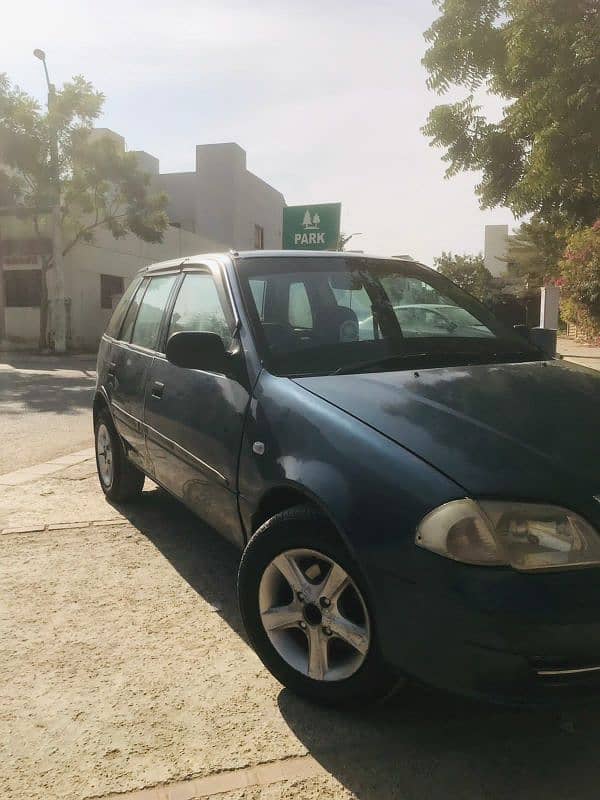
x,y
306,611
119,478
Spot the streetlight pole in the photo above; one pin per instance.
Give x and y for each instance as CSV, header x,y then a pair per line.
x,y
58,301
345,239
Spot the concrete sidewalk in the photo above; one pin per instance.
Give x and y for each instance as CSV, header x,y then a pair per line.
x,y
584,354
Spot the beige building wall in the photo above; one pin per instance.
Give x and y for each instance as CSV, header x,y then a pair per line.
x,y
121,257
83,267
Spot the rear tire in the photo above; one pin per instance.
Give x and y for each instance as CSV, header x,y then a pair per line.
x,y
119,478
318,638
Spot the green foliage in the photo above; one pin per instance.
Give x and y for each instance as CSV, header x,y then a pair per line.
x,y
98,186
580,271
468,272
587,324
534,252
543,59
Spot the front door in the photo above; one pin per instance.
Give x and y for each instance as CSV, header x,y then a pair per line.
x,y
194,419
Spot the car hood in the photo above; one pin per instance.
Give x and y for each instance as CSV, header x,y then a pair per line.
x,y
528,431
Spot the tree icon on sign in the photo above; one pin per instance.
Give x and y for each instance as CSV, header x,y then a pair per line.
x,y
316,220
307,220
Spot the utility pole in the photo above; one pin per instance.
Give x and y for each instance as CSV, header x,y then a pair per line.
x,y
58,310
345,238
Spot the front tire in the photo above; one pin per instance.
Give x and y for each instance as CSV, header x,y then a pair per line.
x,y
306,611
119,478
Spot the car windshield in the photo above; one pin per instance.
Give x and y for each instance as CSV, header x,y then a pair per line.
x,y
320,315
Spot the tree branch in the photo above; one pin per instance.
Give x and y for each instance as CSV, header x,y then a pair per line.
x,y
88,228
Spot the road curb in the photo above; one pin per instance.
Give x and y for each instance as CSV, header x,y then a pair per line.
x,y
62,526
37,471
294,768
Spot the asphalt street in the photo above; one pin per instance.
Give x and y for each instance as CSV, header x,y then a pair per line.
x,y
45,407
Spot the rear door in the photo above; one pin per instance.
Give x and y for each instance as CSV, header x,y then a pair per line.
x,y
129,370
194,419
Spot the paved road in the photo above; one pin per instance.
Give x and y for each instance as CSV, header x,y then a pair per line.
x,y
45,406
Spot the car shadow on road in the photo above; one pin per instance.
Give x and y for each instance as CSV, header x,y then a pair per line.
x,y
419,744
43,392
427,744
203,558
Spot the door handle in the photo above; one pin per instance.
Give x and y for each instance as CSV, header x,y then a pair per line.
x,y
158,389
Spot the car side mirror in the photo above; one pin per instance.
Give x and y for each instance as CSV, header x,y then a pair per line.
x,y
197,350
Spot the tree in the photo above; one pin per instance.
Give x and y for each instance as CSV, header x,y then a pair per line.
x,y
307,219
468,272
580,281
534,252
543,60
98,186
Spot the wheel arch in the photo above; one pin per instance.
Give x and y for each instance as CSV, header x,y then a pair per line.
x,y
101,403
285,496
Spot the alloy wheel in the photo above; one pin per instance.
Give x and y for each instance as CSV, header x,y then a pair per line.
x,y
314,615
105,455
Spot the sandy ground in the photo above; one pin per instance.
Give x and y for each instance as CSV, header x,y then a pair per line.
x,y
69,496
124,666
126,675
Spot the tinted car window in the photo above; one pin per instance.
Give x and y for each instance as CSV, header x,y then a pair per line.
x,y
114,326
198,308
369,311
132,312
147,323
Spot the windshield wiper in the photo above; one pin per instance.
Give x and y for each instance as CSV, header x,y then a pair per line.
x,y
423,360
375,362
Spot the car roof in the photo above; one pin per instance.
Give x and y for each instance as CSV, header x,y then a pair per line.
x,y
260,254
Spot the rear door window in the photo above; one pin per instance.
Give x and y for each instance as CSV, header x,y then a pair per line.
x,y
148,321
132,311
114,326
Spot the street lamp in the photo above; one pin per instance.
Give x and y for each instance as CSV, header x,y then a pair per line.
x,y
345,239
58,315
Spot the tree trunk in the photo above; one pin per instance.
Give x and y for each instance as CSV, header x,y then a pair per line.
x,y
46,263
2,302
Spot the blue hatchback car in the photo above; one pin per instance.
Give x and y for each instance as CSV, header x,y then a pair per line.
x,y
415,488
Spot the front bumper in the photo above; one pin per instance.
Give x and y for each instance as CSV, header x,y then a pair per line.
x,y
494,633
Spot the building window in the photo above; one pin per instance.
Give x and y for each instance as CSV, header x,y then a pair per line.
x,y
23,288
111,289
259,237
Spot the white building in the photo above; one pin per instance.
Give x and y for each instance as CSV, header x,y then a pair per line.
x,y
219,206
495,253
221,199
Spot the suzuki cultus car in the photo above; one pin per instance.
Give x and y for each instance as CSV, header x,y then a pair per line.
x,y
415,496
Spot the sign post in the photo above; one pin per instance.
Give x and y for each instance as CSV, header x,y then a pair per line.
x,y
312,227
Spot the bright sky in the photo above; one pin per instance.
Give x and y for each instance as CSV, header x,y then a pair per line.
x,y
327,98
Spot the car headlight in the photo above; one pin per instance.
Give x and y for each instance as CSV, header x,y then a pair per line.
x,y
525,536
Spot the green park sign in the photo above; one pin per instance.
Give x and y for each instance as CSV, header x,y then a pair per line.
x,y
312,227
